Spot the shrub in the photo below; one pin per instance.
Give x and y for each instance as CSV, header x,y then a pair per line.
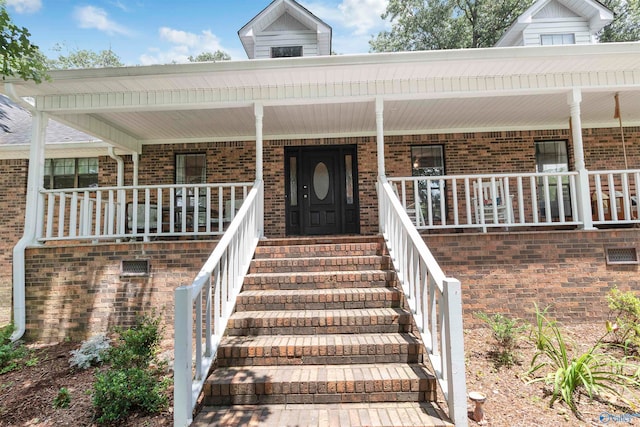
x,y
506,333
592,371
11,353
91,352
119,391
626,306
138,345
131,383
62,399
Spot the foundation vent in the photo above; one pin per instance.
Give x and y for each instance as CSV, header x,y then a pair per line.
x,y
627,255
137,267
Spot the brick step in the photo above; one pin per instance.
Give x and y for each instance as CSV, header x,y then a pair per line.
x,y
319,280
387,382
308,299
315,264
319,350
319,250
383,414
312,322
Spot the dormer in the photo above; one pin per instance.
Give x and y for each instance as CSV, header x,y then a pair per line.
x,y
549,22
285,29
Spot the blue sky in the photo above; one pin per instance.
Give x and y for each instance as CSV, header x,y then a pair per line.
x,y
144,32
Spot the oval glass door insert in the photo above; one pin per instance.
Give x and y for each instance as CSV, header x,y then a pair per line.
x,y
321,181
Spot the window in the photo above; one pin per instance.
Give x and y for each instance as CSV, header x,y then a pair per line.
x,y
286,51
555,39
428,160
71,173
191,168
551,156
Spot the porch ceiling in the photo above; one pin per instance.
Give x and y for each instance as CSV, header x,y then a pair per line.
x,y
441,91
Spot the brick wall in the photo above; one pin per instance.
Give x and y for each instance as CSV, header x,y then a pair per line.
x,y
77,291
509,272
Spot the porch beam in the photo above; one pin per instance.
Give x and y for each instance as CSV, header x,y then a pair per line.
x,y
380,135
574,99
102,130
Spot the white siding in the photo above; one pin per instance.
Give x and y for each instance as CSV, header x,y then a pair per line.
x,y
557,26
265,41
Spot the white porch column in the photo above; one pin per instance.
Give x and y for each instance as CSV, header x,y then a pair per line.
x,y
380,135
584,200
259,113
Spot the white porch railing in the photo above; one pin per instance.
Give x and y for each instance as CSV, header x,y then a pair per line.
x,y
435,300
614,196
517,200
209,302
108,213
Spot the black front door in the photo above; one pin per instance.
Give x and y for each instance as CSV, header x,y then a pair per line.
x,y
321,190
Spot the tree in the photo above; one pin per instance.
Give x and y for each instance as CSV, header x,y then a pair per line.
x,y
446,24
84,58
218,55
626,22
20,57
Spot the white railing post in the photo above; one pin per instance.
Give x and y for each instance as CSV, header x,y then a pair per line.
x,y
183,365
457,388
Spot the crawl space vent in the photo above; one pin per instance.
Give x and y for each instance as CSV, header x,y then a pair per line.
x,y
622,255
138,267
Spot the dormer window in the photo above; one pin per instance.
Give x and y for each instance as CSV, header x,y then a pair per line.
x,y
555,39
286,51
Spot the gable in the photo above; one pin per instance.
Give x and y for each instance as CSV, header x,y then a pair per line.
x,y
555,10
592,14
287,22
285,16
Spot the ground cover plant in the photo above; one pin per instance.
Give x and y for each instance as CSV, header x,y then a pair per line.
x,y
506,332
593,371
626,309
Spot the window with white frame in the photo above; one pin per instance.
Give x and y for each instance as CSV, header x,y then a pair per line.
x,y
556,39
551,156
71,173
428,160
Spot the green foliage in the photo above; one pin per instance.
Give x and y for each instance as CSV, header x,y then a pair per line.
x,y
136,346
131,383
11,353
83,58
506,333
20,58
218,55
626,306
62,399
91,352
446,24
626,22
592,371
117,392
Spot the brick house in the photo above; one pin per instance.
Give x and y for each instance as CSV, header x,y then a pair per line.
x,y
508,160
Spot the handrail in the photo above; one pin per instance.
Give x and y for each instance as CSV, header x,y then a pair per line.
x,y
215,287
435,300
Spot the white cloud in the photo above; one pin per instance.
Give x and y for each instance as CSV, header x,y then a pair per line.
x,y
359,16
25,6
181,45
95,17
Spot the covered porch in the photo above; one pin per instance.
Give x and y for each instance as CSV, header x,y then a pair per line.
x,y
368,102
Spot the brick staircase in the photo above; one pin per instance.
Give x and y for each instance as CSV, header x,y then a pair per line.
x,y
320,337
